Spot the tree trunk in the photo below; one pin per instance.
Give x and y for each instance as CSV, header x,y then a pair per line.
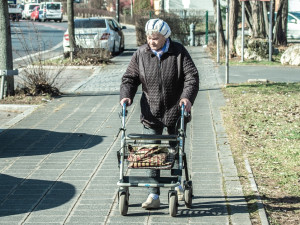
x,y
233,21
71,30
266,21
256,18
281,24
6,59
248,15
220,28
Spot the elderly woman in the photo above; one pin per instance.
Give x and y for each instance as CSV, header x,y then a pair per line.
x,y
169,78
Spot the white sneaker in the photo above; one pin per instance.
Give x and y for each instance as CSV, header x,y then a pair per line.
x,y
150,203
180,193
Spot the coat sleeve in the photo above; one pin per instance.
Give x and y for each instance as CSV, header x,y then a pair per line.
x,y
130,80
191,77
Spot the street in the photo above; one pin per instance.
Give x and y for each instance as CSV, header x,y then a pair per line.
x,y
35,37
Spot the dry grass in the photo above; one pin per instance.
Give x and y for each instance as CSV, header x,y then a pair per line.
x,y
24,99
264,120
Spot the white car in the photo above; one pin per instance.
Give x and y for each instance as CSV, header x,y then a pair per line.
x,y
293,30
51,11
95,34
28,8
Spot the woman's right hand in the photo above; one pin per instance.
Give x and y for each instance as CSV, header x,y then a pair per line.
x,y
127,100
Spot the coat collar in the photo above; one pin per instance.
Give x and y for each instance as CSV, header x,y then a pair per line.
x,y
171,50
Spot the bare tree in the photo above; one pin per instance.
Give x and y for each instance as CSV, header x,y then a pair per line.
x,y
70,10
281,24
233,21
220,28
256,18
6,59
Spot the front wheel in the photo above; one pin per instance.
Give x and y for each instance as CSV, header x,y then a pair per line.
x,y
113,52
173,207
123,204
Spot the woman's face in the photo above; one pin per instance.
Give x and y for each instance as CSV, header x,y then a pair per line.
x,y
156,41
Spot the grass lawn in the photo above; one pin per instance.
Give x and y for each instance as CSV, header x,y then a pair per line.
x,y
264,124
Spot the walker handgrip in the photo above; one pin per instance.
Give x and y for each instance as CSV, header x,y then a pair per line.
x,y
124,109
182,109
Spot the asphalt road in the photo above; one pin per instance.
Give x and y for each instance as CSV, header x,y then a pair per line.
x,y
34,38
241,74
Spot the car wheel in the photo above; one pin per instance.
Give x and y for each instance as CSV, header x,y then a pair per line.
x,y
113,52
122,48
66,55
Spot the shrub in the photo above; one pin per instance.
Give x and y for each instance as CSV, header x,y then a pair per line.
x,y
35,78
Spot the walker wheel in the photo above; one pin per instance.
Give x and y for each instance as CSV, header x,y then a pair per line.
x,y
188,195
123,204
173,205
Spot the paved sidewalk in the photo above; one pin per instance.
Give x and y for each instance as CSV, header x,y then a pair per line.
x,y
58,165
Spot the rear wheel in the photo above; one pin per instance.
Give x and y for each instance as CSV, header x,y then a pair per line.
x,y
188,195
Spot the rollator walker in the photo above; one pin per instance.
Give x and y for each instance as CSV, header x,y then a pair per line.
x,y
131,148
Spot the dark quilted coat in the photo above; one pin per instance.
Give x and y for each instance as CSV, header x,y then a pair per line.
x,y
164,83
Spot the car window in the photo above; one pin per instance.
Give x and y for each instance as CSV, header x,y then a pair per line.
x,y
116,24
32,6
296,14
53,6
89,23
110,24
290,18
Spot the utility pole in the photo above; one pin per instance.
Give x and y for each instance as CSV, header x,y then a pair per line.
x,y
70,11
218,31
270,30
131,8
227,43
6,59
118,10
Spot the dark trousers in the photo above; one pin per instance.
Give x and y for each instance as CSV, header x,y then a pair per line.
x,y
152,172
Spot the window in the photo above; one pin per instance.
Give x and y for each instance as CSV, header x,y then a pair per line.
x,y
31,7
53,6
89,23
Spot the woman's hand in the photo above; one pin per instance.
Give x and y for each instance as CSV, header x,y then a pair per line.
x,y
127,100
187,104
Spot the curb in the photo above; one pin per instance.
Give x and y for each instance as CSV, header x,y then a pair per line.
x,y
26,110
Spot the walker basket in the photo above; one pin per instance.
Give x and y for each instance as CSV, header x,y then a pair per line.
x,y
150,157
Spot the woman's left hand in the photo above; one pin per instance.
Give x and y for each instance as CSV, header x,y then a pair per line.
x,y
187,104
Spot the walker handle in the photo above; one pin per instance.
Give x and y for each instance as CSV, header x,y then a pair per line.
x,y
124,109
182,116
124,114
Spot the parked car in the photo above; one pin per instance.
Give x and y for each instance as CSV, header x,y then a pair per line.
x,y
96,33
28,8
293,30
52,11
15,11
35,13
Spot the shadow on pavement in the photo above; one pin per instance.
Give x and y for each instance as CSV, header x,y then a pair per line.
x,y
19,195
30,142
